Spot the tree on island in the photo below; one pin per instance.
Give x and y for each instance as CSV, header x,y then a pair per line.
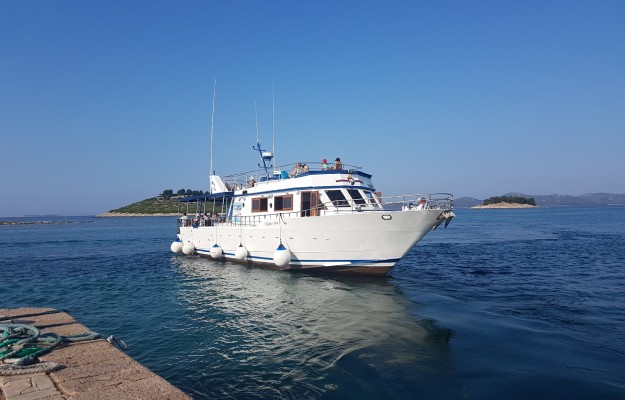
x,y
510,199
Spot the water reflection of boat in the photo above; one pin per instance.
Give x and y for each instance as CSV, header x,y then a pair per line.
x,y
298,334
312,218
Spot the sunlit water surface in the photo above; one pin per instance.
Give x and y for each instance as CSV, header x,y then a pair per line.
x,y
516,304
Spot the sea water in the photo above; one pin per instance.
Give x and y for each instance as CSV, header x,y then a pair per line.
x,y
502,304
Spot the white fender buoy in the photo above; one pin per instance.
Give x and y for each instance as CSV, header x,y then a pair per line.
x,y
188,248
241,252
216,251
282,256
176,246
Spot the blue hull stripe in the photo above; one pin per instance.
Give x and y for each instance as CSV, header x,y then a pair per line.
x,y
393,260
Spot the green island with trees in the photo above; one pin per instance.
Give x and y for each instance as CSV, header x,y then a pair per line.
x,y
508,202
166,203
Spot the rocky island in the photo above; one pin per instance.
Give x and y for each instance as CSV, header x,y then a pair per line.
x,y
166,204
152,207
504,205
508,202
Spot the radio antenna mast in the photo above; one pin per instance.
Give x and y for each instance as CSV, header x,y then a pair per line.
x,y
265,156
273,122
257,135
211,172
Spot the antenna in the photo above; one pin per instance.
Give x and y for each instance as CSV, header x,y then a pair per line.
x,y
265,156
211,172
273,121
257,135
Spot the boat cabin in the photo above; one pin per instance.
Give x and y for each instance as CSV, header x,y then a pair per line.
x,y
251,197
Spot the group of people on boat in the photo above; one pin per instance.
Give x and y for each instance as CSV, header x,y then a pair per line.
x,y
199,219
299,168
231,187
338,165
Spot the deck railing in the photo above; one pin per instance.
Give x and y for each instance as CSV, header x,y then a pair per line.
x,y
442,201
241,180
433,200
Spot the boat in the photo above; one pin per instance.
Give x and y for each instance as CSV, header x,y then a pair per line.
x,y
307,217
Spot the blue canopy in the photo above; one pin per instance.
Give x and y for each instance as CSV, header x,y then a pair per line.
x,y
207,197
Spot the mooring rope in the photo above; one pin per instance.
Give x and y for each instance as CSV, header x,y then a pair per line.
x,y
21,344
44,367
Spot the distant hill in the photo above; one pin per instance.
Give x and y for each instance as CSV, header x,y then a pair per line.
x,y
151,206
547,200
589,199
466,202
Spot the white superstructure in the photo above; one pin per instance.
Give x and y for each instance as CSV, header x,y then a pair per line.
x,y
314,219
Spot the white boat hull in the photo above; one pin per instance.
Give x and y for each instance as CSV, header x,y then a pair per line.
x,y
368,243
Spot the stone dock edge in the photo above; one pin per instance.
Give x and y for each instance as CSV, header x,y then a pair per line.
x,y
91,370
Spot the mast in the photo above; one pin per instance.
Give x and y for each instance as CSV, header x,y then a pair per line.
x,y
257,135
273,121
211,172
265,156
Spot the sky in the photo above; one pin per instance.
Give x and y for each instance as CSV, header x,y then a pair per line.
x,y
105,103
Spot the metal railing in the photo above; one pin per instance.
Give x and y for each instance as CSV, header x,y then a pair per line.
x,y
439,201
433,200
241,180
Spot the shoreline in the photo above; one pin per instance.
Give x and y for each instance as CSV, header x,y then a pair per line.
x,y
504,205
112,214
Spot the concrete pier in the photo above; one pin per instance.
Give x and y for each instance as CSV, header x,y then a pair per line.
x,y
90,370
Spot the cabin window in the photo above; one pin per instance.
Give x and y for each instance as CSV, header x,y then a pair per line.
x,y
358,199
283,203
259,204
311,206
337,198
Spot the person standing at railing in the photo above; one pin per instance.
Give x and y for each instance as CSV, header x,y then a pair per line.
x,y
422,204
184,219
324,165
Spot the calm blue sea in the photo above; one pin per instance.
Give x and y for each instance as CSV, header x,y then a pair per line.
x,y
503,304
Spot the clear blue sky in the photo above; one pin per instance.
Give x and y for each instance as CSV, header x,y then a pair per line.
x,y
103,103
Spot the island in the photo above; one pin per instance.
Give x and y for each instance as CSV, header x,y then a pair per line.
x,y
152,207
166,204
508,202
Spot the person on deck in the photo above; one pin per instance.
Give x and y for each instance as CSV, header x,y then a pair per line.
x,y
337,164
297,169
324,165
184,219
251,183
422,204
